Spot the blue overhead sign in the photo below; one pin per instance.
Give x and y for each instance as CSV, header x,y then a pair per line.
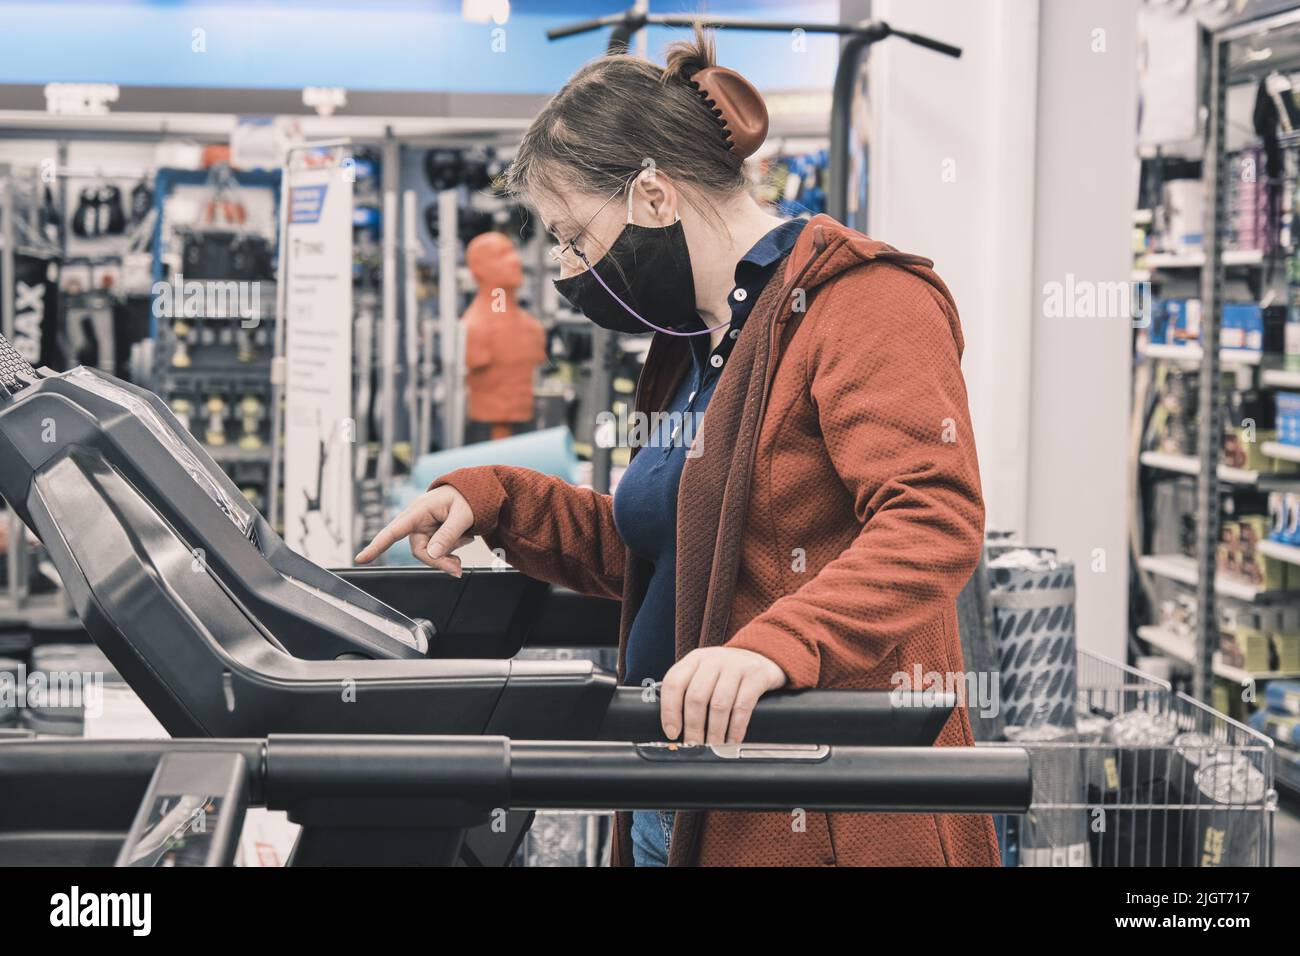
x,y
383,45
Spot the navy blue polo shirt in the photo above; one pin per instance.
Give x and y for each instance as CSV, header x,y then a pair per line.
x,y
645,501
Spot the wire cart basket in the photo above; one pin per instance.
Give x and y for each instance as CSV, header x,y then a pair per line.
x,y
1147,777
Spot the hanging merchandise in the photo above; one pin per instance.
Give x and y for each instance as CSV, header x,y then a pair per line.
x,y
36,311
99,213
221,254
137,262
443,168
469,222
51,219
225,207
141,202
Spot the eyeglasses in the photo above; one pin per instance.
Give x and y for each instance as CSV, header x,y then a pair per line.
x,y
567,253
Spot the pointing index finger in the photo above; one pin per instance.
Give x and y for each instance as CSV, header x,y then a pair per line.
x,y
398,528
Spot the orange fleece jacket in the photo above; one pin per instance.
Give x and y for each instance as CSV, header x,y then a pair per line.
x,y
860,520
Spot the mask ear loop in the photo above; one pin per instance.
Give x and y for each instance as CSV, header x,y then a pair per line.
x,y
631,311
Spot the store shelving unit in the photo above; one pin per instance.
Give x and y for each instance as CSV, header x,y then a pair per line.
x,y
1209,266
1228,63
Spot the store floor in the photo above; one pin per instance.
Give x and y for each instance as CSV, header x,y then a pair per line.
x,y
1286,832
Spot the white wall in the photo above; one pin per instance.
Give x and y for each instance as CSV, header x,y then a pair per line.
x,y
1080,383
1036,134
952,179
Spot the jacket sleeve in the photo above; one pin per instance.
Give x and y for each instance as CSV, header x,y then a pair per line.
x,y
884,375
546,527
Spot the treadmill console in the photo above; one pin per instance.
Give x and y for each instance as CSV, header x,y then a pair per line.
x,y
83,435
168,434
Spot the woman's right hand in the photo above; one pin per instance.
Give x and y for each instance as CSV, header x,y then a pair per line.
x,y
437,522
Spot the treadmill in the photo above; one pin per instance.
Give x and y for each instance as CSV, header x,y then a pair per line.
x,y
225,632
410,799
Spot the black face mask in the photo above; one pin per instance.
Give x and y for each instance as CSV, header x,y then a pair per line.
x,y
642,284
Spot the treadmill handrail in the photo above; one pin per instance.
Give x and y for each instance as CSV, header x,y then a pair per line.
x,y
287,771
847,717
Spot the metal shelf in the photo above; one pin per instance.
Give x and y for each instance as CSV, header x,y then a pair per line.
x,y
1179,567
1282,552
1181,647
1280,378
1193,354
1190,465
1195,259
1276,449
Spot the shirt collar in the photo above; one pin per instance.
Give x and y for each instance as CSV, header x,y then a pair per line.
x,y
752,273
768,250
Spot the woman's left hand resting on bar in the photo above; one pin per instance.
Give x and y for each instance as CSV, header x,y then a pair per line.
x,y
709,695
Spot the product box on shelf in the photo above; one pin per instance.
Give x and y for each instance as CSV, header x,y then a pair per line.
x,y
1287,417
1286,648
1240,321
1277,521
1184,321
1245,645
1291,335
1158,333
1282,624
1228,552
1184,205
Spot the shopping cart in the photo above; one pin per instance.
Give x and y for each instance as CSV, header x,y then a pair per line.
x,y
1148,777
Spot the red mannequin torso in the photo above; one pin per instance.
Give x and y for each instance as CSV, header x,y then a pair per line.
x,y
503,343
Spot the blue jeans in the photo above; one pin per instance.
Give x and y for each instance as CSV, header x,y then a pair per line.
x,y
652,831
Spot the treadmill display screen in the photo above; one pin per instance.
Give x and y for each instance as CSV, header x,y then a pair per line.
x,y
394,629
233,508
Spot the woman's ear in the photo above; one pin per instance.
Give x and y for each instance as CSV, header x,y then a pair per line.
x,y
654,199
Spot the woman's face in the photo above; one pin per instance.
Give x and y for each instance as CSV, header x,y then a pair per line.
x,y
589,223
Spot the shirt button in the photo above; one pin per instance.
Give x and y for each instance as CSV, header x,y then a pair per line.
x,y
740,295
734,332
691,397
716,361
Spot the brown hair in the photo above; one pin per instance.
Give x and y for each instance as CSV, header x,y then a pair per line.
x,y
619,113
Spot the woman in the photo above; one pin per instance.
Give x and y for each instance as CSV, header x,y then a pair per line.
x,y
814,532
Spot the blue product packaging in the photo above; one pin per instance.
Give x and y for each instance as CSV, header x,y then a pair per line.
x,y
1283,696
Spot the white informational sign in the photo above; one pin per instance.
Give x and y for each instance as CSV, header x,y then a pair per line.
x,y
319,431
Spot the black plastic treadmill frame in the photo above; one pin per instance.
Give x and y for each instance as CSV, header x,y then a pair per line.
x,y
403,799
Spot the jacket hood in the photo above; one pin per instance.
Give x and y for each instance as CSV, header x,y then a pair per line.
x,y
826,248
